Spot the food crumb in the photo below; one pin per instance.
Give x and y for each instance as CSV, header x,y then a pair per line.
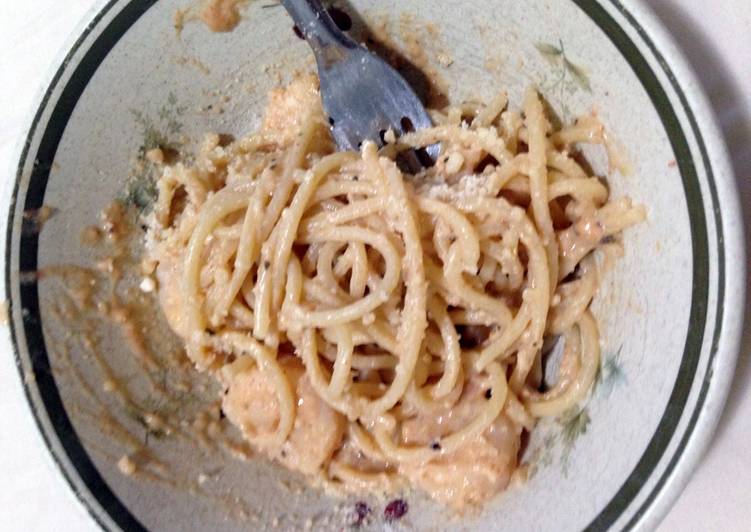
x,y
444,59
106,265
147,284
156,156
221,15
126,465
154,422
90,235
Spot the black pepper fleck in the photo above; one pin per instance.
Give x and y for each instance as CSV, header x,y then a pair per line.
x,y
436,446
266,265
488,393
355,178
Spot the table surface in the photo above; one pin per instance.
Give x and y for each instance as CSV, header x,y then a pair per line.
x,y
716,42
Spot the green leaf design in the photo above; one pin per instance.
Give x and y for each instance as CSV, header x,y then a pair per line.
x,y
574,425
578,74
613,370
158,132
141,193
610,374
542,455
548,50
564,79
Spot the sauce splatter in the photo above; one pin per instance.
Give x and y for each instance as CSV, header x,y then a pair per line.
x,y
221,15
34,220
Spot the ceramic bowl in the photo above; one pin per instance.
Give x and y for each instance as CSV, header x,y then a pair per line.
x,y
669,313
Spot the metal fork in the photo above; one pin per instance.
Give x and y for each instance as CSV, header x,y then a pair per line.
x,y
362,95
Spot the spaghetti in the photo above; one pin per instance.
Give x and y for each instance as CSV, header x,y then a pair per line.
x,y
373,328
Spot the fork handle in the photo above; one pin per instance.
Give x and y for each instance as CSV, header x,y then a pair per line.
x,y
316,25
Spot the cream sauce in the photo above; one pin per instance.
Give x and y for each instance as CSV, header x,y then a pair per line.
x,y
478,470
161,397
219,16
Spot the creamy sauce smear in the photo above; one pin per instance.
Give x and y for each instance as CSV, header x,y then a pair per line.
x,y
140,415
160,400
219,16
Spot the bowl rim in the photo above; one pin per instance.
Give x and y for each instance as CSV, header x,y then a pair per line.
x,y
732,241
705,416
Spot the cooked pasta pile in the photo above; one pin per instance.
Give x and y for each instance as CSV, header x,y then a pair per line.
x,y
374,329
